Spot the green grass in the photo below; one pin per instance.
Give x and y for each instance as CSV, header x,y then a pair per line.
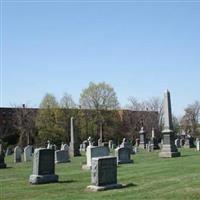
x,y
151,178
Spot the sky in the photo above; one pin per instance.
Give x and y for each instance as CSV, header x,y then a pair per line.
x,y
139,48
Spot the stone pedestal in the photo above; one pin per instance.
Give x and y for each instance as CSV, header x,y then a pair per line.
x,y
169,149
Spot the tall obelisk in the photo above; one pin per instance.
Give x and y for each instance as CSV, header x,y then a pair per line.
x,y
74,147
169,149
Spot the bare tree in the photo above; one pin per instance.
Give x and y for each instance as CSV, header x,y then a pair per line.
x,y
190,120
153,104
24,122
67,101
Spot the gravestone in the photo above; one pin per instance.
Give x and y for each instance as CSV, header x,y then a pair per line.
x,y
182,142
198,145
28,153
189,142
142,134
123,155
126,144
8,151
137,142
104,174
93,152
17,154
64,147
49,146
177,143
43,167
61,156
74,146
99,142
2,161
154,140
110,143
168,148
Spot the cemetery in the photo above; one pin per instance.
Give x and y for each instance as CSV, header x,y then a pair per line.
x,y
145,169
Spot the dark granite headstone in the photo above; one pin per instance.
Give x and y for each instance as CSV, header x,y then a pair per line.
x,y
61,156
123,155
104,173
2,155
43,167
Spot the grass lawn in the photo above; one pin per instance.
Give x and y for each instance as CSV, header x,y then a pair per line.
x,y
151,178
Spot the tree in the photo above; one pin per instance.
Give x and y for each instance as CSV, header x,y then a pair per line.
x,y
190,120
67,101
48,121
49,101
24,122
99,96
152,104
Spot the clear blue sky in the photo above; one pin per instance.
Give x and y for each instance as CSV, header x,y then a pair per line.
x,y
141,49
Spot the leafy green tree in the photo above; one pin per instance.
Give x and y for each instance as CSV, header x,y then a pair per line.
x,y
48,119
99,96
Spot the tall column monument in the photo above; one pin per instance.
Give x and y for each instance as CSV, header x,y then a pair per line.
x,y
169,149
74,147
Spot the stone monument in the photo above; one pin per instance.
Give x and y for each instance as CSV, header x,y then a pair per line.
x,y
62,156
168,148
43,167
104,174
2,162
74,147
17,154
28,153
123,155
142,134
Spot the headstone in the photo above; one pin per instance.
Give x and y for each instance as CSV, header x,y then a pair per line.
x,y
198,145
104,174
28,153
189,142
126,144
177,143
8,151
99,142
94,152
137,142
43,167
2,162
64,147
182,142
168,148
61,156
142,134
123,155
17,154
49,146
105,144
110,143
84,145
74,146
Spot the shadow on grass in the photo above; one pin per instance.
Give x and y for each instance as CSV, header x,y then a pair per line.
x,y
6,168
68,181
129,185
